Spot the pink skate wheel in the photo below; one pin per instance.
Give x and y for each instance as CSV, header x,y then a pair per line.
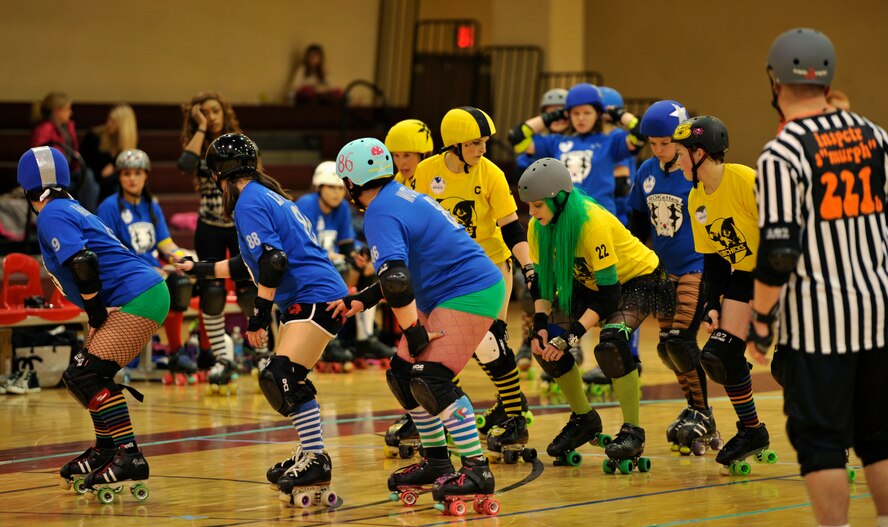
x,y
409,498
457,508
491,507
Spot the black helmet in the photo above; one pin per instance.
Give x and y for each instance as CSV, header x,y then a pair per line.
x,y
706,132
232,154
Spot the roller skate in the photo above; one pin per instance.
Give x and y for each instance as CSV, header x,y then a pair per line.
x,y
697,433
747,442
579,430
524,359
474,481
336,358
408,483
372,352
205,362
307,481
402,438
74,472
496,415
675,426
506,442
548,386
277,470
221,378
624,452
182,369
106,482
852,474
597,383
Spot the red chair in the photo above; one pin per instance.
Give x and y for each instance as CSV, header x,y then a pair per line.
x,y
14,295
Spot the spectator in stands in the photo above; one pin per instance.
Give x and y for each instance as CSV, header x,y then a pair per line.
x,y
207,116
838,100
310,83
103,144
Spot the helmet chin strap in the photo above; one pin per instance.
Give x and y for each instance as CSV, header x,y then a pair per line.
x,y
559,207
774,95
670,164
695,166
458,149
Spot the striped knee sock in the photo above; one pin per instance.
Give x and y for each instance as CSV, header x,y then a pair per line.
x,y
103,437
431,430
459,419
697,387
508,390
685,387
307,422
114,413
215,325
743,401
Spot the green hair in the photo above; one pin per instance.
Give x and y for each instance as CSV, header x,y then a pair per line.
x,y
557,245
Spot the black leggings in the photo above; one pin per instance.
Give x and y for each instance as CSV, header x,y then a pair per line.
x,y
214,244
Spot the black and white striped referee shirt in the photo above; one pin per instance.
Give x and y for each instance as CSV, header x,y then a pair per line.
x,y
827,175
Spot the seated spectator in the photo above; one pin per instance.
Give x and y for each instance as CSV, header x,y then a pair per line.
x,y
838,100
103,144
310,83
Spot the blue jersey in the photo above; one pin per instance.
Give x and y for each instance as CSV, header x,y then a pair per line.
x,y
590,158
263,219
64,228
133,225
330,229
444,262
664,197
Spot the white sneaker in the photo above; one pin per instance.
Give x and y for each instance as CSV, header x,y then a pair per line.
x,y
25,383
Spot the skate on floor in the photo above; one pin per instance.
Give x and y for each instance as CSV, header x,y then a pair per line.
x,y
496,414
221,378
372,352
408,483
402,438
274,473
524,359
548,386
74,472
336,358
507,441
182,369
748,442
698,433
624,452
579,430
107,481
675,426
307,481
598,384
852,474
474,482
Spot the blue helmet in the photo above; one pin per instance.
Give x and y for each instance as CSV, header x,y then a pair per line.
x,y
662,118
364,160
43,167
583,93
610,97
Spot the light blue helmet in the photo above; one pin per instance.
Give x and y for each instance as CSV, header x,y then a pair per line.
x,y
662,118
43,167
364,160
610,97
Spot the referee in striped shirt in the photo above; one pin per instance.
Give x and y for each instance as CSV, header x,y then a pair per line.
x,y
823,260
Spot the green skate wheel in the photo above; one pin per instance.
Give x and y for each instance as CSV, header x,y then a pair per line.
x,y
674,447
480,421
626,466
596,389
603,440
105,495
531,373
528,416
644,464
852,474
394,496
768,456
439,507
740,468
684,450
608,466
574,459
140,492
78,486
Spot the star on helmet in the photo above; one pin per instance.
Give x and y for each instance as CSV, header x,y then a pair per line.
x,y
680,113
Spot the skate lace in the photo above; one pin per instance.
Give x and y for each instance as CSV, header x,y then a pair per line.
x,y
458,477
568,429
217,369
302,461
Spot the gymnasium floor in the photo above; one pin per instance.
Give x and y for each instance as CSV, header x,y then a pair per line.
x,y
208,457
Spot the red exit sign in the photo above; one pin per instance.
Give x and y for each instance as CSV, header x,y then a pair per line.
x,y
465,36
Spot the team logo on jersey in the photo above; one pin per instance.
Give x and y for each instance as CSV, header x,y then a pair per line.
x,y
326,237
700,214
578,163
648,184
666,213
583,271
142,236
565,146
463,211
437,185
724,232
126,216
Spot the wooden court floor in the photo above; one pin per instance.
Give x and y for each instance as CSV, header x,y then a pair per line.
x,y
208,456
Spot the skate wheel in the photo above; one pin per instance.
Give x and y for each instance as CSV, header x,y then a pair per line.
x,y
698,449
510,457
531,373
105,495
490,507
457,508
336,367
603,440
405,451
609,467
480,421
140,492
64,484
212,389
385,363
740,468
232,389
328,498
302,500
716,443
528,417
644,464
574,459
626,466
674,447
390,452
348,367
78,486
192,379
440,507
596,389
361,363
409,498
524,364
528,454
166,379
394,496
684,450
767,456
852,474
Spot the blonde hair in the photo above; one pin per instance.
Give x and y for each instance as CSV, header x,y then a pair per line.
x,y
127,136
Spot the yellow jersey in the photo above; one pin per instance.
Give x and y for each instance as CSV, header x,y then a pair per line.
x,y
402,180
726,221
475,200
603,242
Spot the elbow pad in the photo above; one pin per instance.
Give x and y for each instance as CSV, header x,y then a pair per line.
x,y
394,278
188,162
622,186
237,269
513,234
637,138
272,265
85,267
520,138
607,300
779,254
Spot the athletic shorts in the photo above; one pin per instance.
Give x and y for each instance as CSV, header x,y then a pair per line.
x,y
740,286
153,304
316,314
485,303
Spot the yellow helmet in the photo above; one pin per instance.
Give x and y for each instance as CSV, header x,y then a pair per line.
x,y
465,124
410,135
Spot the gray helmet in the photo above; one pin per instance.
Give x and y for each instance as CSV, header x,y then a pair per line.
x,y
802,56
553,97
133,158
545,178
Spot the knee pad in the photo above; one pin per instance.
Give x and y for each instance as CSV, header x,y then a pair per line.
x,y
212,297
663,353
91,379
613,354
246,296
398,379
723,359
683,350
180,288
285,386
559,367
494,352
432,386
